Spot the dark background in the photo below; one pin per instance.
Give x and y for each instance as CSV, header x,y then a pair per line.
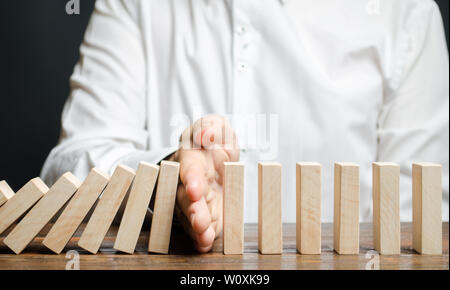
x,y
39,46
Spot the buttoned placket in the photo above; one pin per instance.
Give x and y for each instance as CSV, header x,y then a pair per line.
x,y
242,36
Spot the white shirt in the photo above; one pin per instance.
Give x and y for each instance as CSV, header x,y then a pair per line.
x,y
353,80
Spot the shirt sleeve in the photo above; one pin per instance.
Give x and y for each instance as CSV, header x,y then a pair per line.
x,y
104,118
414,119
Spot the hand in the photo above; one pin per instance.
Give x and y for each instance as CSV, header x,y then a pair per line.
x,y
204,147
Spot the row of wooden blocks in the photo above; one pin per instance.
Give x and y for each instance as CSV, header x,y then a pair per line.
x,y
427,211
38,205
81,197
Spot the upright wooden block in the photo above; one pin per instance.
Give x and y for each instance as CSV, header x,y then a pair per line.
x,y
23,200
5,192
35,220
386,207
308,208
106,209
233,208
346,208
427,208
136,208
76,210
164,207
270,232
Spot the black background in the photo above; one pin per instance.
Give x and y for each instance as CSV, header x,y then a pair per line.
x,y
39,46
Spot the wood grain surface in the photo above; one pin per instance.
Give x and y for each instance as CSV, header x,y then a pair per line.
x,y
37,256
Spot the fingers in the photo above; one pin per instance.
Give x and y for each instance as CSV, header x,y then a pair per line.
x,y
219,157
213,136
196,219
195,185
205,240
201,173
196,212
214,131
211,201
193,175
199,215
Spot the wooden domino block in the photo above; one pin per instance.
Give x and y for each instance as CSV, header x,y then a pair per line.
x,y
76,210
308,208
23,200
106,209
233,208
427,208
35,220
270,234
386,207
5,192
164,207
346,208
136,208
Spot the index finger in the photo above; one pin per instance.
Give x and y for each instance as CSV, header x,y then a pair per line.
x,y
193,174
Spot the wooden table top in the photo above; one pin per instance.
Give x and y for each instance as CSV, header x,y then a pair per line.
x,y
36,256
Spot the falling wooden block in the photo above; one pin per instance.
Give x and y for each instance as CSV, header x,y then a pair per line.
x,y
5,192
106,209
164,207
136,208
233,208
427,208
76,210
346,208
270,234
308,208
386,207
23,200
35,220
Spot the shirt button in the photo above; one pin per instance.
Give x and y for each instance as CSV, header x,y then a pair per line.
x,y
241,30
242,67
